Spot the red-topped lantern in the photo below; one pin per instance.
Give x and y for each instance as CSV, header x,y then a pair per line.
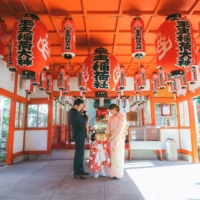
x,y
183,82
3,30
42,85
192,76
175,45
81,79
161,79
137,38
142,77
122,79
67,84
68,38
136,83
61,78
10,65
101,71
30,50
154,83
49,83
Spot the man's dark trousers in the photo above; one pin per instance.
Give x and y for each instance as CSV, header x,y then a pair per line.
x,y
79,157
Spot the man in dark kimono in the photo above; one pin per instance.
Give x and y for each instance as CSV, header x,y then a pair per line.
x,y
78,122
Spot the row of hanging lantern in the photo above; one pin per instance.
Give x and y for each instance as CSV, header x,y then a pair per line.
x,y
66,102
29,51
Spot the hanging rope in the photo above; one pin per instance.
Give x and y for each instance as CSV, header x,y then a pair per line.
x,y
24,6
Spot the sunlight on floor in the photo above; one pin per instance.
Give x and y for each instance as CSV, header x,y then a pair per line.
x,y
168,182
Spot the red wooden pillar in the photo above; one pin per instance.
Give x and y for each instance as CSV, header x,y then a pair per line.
x,y
193,133
9,156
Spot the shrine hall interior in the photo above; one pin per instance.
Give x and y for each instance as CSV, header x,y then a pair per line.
x,y
37,122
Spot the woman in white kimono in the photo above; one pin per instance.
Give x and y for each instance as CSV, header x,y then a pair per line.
x,y
116,131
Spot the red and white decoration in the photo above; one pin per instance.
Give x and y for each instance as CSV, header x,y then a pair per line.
x,y
66,90
3,30
175,45
42,85
30,52
81,79
68,38
122,79
101,71
137,38
61,78
49,83
161,79
10,65
136,83
141,77
154,83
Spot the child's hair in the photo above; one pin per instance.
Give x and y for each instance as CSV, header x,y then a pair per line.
x,y
92,138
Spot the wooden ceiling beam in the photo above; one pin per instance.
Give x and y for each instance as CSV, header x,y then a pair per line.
x,y
132,13
86,26
121,5
194,6
11,8
154,15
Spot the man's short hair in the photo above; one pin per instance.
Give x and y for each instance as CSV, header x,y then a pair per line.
x,y
77,102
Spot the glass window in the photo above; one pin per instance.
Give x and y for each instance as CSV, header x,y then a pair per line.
x,y
56,112
43,115
19,115
37,115
184,113
166,120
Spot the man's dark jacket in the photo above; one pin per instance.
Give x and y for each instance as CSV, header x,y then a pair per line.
x,y
77,122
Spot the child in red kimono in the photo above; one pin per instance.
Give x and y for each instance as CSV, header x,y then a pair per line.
x,y
99,155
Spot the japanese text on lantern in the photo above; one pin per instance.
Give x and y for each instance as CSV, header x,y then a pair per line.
x,y
68,36
25,42
183,38
122,78
138,36
48,79
155,85
143,78
101,71
61,78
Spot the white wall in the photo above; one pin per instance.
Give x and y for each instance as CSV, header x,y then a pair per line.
x,y
166,133
18,141
39,93
5,77
185,139
20,89
36,140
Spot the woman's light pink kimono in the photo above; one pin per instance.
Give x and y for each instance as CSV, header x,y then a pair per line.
x,y
116,129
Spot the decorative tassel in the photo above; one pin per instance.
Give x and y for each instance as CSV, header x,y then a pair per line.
x,y
48,97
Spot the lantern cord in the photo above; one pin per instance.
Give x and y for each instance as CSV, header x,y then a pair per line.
x,y
24,6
